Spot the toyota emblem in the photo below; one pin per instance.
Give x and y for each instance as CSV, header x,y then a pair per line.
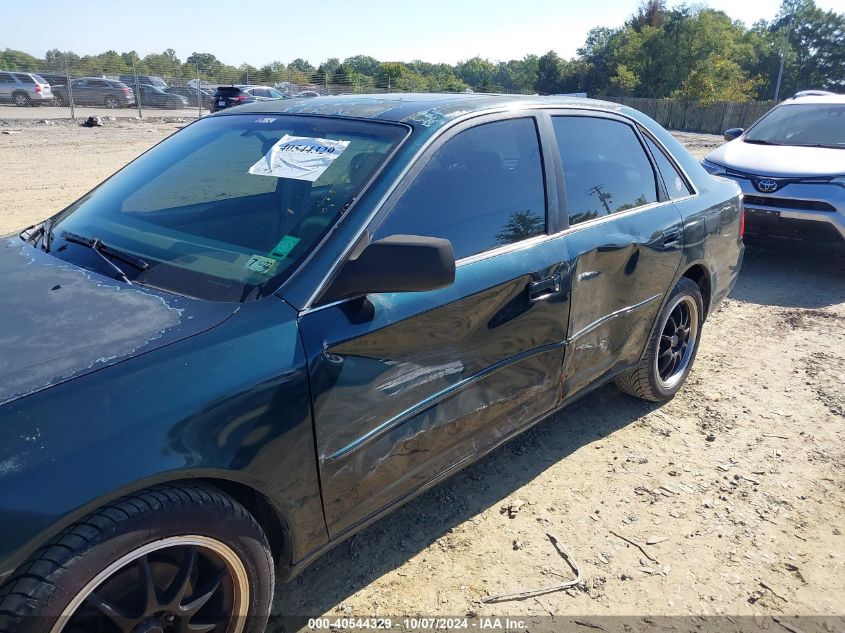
x,y
767,185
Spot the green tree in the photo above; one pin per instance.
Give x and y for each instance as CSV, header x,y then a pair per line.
x,y
549,70
813,41
17,60
521,225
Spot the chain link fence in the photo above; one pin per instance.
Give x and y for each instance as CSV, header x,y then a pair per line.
x,y
123,85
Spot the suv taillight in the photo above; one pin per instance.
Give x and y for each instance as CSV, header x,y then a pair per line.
x,y
127,91
242,97
742,221
37,88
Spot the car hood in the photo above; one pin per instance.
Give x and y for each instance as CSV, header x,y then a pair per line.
x,y
59,321
780,160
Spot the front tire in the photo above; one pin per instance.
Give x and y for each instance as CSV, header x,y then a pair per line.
x,y
671,349
174,557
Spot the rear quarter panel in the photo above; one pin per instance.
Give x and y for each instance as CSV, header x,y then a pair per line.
x,y
711,218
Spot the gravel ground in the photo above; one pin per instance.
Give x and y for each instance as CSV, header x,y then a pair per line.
x,y
58,113
735,489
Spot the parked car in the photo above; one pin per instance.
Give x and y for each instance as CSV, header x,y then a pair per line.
x,y
193,96
791,167
308,93
230,96
149,80
263,92
24,89
153,97
54,79
230,390
94,91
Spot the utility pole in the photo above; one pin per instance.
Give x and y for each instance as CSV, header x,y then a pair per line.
x,y
604,197
199,92
137,90
783,57
69,89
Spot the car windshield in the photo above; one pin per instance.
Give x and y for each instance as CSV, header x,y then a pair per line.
x,y
228,207
814,124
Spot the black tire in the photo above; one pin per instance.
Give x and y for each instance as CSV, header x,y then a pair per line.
x,y
111,102
21,99
645,380
47,584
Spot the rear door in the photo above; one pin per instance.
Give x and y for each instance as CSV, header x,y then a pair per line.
x,y
407,386
624,242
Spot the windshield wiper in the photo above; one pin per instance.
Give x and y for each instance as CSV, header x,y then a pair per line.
x,y
827,145
44,230
760,141
103,250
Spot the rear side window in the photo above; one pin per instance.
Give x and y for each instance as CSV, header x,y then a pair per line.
x,y
484,188
605,167
24,78
676,186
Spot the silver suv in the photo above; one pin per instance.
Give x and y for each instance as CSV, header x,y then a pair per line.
x,y
791,167
24,89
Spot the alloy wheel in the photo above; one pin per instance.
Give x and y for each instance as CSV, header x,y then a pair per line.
x,y
175,585
677,341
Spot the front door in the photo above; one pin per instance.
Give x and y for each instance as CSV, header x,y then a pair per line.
x,y
408,386
624,243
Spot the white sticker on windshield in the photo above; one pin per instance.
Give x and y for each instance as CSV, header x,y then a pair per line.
x,y
299,157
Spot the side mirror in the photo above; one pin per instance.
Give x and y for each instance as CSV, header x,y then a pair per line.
x,y
733,133
399,263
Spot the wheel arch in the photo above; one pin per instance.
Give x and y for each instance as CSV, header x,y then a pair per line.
x,y
271,519
701,276
696,272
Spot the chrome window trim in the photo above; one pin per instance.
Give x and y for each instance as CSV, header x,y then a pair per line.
x,y
453,128
442,136
678,167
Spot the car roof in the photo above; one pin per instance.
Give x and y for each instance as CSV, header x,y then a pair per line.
x,y
431,110
817,98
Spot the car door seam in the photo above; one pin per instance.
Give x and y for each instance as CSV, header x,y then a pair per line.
x,y
399,419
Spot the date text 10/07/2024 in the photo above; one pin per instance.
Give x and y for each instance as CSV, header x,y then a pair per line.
x,y
416,623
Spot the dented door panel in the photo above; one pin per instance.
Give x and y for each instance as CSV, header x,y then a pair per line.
x,y
621,269
406,386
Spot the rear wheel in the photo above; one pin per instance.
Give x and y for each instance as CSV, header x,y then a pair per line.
x,y
672,348
170,559
21,99
112,103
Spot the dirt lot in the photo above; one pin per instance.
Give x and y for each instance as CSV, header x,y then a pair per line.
x,y
738,483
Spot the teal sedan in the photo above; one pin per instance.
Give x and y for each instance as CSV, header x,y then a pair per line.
x,y
291,317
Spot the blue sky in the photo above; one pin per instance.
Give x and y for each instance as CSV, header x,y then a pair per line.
x,y
261,32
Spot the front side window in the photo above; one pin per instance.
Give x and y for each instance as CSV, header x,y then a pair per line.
x,y
484,188
802,124
605,167
228,207
6,79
